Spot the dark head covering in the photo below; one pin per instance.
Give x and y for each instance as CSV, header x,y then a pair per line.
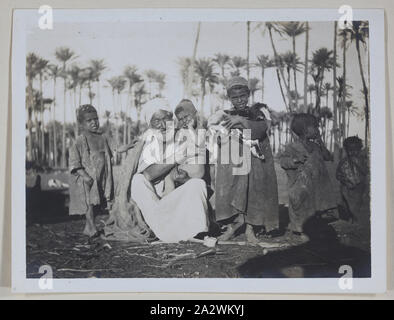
x,y
301,121
185,105
84,109
354,140
237,82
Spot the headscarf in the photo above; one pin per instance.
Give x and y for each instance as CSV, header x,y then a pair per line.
x,y
152,106
185,105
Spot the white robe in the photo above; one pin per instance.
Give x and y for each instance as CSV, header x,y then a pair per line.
x,y
177,216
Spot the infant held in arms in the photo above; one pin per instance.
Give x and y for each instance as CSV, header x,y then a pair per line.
x,y
189,153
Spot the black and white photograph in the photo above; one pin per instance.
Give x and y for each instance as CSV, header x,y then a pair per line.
x,y
198,150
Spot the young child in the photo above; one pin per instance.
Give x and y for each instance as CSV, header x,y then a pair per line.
x,y
91,182
352,173
309,185
258,111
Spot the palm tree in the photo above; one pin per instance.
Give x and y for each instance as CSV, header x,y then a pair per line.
x,y
75,77
192,63
351,109
327,88
54,72
343,94
263,62
120,86
151,75
205,70
222,60
344,33
253,87
140,93
325,114
160,79
41,67
306,64
97,66
292,30
64,54
280,74
31,73
248,49
322,61
335,96
130,73
311,88
238,63
360,31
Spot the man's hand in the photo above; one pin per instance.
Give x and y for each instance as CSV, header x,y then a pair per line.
x,y
181,176
231,122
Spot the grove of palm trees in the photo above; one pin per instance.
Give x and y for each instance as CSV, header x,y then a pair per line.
x,y
306,80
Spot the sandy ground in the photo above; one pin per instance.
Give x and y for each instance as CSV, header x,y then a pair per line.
x,y
55,239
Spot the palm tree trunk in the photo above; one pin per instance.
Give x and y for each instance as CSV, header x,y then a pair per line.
x,y
262,84
75,113
191,67
54,126
248,49
29,121
98,97
281,90
366,95
335,94
348,123
202,97
64,120
343,106
280,68
295,74
306,65
43,158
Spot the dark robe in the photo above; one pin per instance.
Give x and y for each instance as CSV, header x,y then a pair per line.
x,y
309,184
254,194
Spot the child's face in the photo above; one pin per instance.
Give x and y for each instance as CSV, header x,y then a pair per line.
x,y
187,119
91,123
239,97
353,150
312,132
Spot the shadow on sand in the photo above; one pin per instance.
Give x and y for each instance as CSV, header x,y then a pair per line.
x,y
320,257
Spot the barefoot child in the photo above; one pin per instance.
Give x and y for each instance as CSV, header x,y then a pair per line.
x,y
309,185
352,174
91,182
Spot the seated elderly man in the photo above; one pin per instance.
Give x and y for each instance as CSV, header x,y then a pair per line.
x,y
174,216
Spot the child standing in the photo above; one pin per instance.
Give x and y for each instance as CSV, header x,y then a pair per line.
x,y
91,182
309,184
352,174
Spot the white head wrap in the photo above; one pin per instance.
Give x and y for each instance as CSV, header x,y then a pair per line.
x,y
152,106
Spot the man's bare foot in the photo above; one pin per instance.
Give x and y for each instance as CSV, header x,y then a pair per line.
x,y
250,235
90,229
231,229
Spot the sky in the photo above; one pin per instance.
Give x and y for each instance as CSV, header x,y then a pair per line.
x,y
159,45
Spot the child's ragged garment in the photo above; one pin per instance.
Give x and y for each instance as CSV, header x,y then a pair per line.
x,y
353,176
98,165
309,185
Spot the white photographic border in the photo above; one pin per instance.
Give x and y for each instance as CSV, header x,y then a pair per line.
x,y
24,18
